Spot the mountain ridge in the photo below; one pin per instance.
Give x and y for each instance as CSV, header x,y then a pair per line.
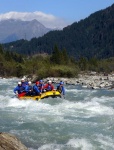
x,y
90,37
16,29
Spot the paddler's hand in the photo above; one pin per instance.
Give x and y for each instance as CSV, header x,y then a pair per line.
x,y
63,96
16,94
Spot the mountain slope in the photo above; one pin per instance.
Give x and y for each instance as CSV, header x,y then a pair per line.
x,y
12,30
91,37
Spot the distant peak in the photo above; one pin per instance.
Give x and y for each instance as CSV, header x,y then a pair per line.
x,y
48,20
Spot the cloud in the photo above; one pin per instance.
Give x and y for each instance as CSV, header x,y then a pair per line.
x,y
47,20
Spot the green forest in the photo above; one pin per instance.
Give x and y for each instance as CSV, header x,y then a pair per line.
x,y
59,64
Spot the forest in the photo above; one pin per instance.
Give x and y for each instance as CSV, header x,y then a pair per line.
x,y
59,64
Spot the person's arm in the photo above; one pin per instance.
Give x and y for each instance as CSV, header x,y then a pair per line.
x,y
42,87
52,87
26,88
36,89
15,89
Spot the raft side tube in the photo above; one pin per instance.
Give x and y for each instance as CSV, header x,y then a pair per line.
x,y
47,94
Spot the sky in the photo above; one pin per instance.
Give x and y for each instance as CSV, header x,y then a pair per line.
x,y
51,13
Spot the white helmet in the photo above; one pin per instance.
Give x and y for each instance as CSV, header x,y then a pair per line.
x,y
29,83
22,79
49,81
19,83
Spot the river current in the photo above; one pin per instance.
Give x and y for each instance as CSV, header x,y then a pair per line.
x,y
84,120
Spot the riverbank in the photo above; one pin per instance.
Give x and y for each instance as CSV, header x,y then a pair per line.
x,y
91,80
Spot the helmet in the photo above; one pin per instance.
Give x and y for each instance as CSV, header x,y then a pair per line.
x,y
61,83
29,82
22,79
41,81
19,83
49,81
37,82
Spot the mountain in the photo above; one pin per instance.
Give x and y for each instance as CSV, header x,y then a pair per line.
x,y
91,37
13,30
48,20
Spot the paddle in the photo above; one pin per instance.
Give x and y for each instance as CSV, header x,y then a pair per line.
x,y
62,96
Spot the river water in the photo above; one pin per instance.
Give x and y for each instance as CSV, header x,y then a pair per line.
x,y
84,120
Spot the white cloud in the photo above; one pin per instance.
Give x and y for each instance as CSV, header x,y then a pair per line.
x,y
47,20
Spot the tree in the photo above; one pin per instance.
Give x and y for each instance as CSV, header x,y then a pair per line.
x,y
64,57
83,63
19,70
8,56
1,49
56,56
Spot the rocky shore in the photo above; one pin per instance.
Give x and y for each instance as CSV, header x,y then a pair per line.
x,y
92,80
10,142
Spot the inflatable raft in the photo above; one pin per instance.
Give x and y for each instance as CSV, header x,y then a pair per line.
x,y
47,94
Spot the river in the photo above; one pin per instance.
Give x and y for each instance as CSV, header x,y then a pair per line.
x,y
84,120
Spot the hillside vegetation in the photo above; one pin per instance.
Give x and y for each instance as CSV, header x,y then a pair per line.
x,y
88,38
59,64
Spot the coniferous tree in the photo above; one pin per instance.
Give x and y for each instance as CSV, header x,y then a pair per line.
x,y
65,56
83,63
19,70
56,56
1,49
8,56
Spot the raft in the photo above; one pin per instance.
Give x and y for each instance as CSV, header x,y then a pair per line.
x,y
47,94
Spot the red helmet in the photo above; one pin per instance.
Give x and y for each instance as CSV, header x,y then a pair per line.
x,y
37,82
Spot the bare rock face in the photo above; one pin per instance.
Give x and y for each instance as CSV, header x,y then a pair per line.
x,y
10,142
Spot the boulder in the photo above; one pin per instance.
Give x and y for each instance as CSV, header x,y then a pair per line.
x,y
10,142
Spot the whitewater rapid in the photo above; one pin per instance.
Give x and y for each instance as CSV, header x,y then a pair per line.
x,y
84,120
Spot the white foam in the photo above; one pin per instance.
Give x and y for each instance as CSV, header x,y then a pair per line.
x,y
82,144
105,141
51,147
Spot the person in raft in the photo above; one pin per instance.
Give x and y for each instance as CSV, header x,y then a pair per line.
x,y
48,87
23,82
36,90
19,89
41,85
29,89
61,89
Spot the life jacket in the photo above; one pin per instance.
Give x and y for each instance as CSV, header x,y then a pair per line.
x,y
21,89
30,87
49,88
36,89
59,88
41,87
24,84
